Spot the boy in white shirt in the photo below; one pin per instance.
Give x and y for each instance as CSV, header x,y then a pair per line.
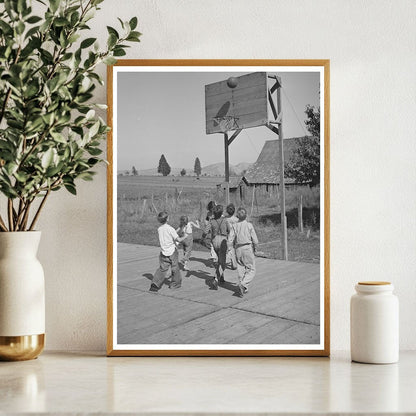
x,y
244,238
168,257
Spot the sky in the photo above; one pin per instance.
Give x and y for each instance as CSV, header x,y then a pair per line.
x,y
164,112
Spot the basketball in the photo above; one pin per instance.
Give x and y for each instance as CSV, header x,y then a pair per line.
x,y
232,82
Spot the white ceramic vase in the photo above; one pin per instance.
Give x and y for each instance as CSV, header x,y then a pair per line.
x,y
374,323
22,296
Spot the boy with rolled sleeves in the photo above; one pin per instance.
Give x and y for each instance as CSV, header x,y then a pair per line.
x,y
244,238
169,256
231,219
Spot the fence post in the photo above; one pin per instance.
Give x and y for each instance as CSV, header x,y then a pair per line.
x,y
143,208
252,200
300,213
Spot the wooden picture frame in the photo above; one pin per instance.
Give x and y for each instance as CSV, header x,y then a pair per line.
x,y
195,320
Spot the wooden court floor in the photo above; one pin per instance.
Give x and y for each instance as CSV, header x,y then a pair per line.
x,y
281,307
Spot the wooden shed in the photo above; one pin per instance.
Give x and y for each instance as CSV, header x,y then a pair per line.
x,y
238,186
264,173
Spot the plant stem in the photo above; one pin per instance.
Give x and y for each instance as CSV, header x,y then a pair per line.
x,y
10,213
38,211
26,216
2,224
20,213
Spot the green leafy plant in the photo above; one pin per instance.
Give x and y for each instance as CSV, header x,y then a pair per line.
x,y
304,164
50,134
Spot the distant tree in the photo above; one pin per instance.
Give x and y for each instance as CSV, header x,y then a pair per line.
x,y
304,164
197,167
183,172
163,167
134,171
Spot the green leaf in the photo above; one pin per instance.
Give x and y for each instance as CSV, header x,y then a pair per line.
x,y
134,36
31,31
74,18
21,177
7,29
20,28
87,42
60,138
111,30
35,125
112,41
133,23
54,4
21,6
90,114
110,60
94,151
52,171
33,19
47,158
86,176
48,118
94,129
121,22
70,188
119,52
11,168
73,38
61,21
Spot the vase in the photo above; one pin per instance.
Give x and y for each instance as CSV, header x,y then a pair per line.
x,y
374,323
22,296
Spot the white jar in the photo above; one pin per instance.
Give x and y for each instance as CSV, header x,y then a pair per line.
x,y
374,323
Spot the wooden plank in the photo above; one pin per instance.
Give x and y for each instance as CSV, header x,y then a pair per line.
x,y
220,327
241,98
281,331
148,313
288,290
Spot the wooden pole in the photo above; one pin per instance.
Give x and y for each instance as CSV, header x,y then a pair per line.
x,y
300,213
227,170
252,200
282,176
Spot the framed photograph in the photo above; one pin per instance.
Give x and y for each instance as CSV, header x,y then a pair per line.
x,y
218,208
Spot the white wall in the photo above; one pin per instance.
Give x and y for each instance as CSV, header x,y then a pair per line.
x,y
371,45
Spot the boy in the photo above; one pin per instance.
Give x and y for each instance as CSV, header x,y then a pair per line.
x,y
219,229
169,256
210,215
231,219
244,237
185,230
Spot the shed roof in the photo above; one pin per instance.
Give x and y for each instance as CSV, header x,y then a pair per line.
x,y
266,169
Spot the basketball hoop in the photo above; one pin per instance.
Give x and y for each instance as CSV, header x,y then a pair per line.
x,y
226,123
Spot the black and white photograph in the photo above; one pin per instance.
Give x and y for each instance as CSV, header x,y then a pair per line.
x,y
218,209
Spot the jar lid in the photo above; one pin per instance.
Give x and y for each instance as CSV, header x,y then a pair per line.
x,y
374,283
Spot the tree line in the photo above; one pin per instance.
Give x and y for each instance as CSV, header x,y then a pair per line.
x,y
165,169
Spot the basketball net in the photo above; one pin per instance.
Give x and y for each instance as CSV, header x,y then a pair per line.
x,y
226,123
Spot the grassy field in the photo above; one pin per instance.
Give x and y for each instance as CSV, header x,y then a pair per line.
x,y
141,197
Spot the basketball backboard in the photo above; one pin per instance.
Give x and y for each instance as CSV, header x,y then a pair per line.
x,y
237,103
